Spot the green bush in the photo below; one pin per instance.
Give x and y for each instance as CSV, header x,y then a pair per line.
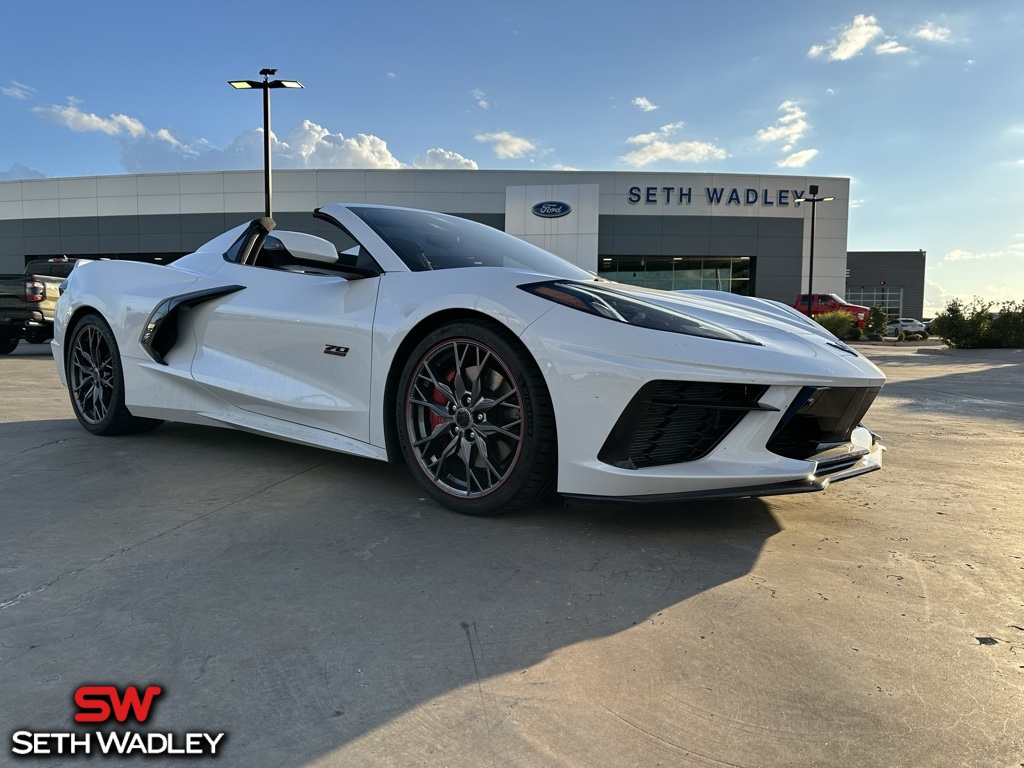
x,y
874,337
1007,327
854,334
976,326
837,323
877,323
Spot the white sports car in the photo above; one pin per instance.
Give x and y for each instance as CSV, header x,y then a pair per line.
x,y
495,370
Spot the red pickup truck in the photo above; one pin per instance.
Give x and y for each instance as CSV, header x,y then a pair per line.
x,y
829,302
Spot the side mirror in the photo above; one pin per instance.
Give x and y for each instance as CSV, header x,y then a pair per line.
x,y
307,247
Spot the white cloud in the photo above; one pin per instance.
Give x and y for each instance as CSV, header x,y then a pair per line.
x,y
680,152
961,254
506,145
932,33
306,145
77,120
853,39
798,159
481,99
391,75
662,133
17,90
19,171
655,148
644,104
891,46
936,298
309,145
789,128
442,158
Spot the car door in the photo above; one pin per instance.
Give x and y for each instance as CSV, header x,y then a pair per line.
x,y
294,346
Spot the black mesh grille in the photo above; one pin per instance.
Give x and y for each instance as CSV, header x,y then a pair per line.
x,y
819,418
668,422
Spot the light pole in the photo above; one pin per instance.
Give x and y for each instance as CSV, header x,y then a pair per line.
x,y
813,200
265,85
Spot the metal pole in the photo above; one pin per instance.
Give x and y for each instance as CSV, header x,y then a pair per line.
x,y
810,265
266,148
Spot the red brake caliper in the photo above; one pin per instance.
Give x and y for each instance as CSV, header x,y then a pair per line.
x,y
439,398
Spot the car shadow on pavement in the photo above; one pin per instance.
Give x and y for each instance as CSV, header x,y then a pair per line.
x,y
298,599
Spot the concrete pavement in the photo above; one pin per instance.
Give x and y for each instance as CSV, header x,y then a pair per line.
x,y
317,609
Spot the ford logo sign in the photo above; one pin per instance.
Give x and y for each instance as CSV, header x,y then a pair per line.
x,y
550,209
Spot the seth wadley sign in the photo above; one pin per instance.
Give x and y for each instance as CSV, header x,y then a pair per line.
x,y
714,196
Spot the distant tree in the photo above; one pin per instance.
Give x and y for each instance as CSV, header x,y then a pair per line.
x,y
877,324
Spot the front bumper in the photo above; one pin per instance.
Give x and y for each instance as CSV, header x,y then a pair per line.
x,y
832,466
595,369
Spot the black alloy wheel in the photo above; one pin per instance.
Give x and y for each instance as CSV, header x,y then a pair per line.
x,y
475,420
96,381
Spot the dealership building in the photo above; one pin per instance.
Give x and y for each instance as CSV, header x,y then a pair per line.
x,y
739,233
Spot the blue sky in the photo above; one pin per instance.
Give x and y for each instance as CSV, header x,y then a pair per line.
x,y
921,104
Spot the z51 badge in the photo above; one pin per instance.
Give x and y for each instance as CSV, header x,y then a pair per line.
x,y
331,349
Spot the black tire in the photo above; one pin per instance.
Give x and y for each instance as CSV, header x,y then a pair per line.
x,y
7,345
96,381
475,420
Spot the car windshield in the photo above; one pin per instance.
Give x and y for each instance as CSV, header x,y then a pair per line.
x,y
426,240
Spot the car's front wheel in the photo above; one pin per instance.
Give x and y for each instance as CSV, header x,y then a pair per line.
x,y
475,420
96,381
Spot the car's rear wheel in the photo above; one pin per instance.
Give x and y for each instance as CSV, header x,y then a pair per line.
x,y
475,420
96,381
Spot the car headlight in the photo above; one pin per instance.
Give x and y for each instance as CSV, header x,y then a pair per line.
x,y
623,308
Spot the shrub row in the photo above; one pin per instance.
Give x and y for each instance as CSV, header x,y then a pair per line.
x,y
976,325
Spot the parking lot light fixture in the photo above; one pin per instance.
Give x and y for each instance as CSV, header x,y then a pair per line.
x,y
813,199
265,85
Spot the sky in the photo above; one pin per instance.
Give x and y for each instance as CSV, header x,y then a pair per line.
x,y
919,102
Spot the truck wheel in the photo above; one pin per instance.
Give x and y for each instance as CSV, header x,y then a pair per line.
x,y
7,345
96,381
39,336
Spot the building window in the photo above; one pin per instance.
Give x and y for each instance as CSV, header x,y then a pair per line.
x,y
675,273
889,297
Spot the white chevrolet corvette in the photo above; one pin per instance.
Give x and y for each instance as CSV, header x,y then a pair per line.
x,y
495,370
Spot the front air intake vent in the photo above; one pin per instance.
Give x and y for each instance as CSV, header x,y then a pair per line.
x,y
669,422
820,417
